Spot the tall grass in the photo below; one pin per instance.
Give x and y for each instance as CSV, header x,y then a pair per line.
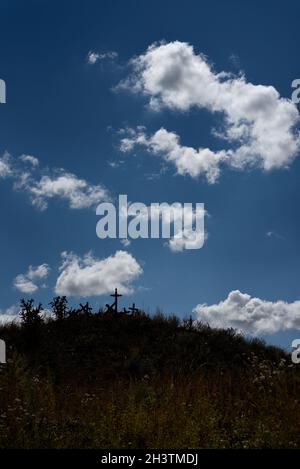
x,y
256,408
117,381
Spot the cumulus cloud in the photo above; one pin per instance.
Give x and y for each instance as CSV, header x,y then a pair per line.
x,y
89,276
251,315
30,281
23,284
94,57
63,185
259,125
44,185
187,160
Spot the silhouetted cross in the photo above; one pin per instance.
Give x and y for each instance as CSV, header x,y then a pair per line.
x,y
116,295
133,309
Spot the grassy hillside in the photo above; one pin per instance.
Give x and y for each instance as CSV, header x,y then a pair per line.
x,y
102,380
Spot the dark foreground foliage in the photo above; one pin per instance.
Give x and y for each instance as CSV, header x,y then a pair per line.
x,y
86,380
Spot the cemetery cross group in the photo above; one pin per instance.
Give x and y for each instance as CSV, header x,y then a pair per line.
x,y
113,308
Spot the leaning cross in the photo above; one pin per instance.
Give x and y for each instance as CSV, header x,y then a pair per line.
x,y
133,309
115,295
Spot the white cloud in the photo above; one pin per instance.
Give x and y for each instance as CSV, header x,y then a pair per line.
x,y
5,166
250,314
38,272
115,164
32,160
194,239
63,185
274,234
88,276
29,282
11,314
25,285
258,124
126,242
187,160
41,185
94,57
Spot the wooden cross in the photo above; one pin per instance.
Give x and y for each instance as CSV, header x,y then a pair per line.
x,y
109,308
115,295
133,309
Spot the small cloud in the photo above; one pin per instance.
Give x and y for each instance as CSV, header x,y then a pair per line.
x,y
5,166
32,160
194,239
274,234
63,185
115,164
188,160
126,242
29,282
45,184
94,57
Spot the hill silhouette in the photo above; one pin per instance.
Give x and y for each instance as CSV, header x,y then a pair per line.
x,y
87,379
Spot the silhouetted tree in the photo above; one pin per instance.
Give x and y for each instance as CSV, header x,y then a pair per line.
x,y
30,315
59,306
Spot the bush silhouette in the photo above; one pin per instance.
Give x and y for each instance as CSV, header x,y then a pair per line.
x,y
30,315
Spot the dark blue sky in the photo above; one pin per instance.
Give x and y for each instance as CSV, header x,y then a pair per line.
x,y
63,111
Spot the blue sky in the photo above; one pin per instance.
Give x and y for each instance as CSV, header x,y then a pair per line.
x,y
66,112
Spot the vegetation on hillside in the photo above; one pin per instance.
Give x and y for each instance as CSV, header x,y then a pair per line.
x,y
102,380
